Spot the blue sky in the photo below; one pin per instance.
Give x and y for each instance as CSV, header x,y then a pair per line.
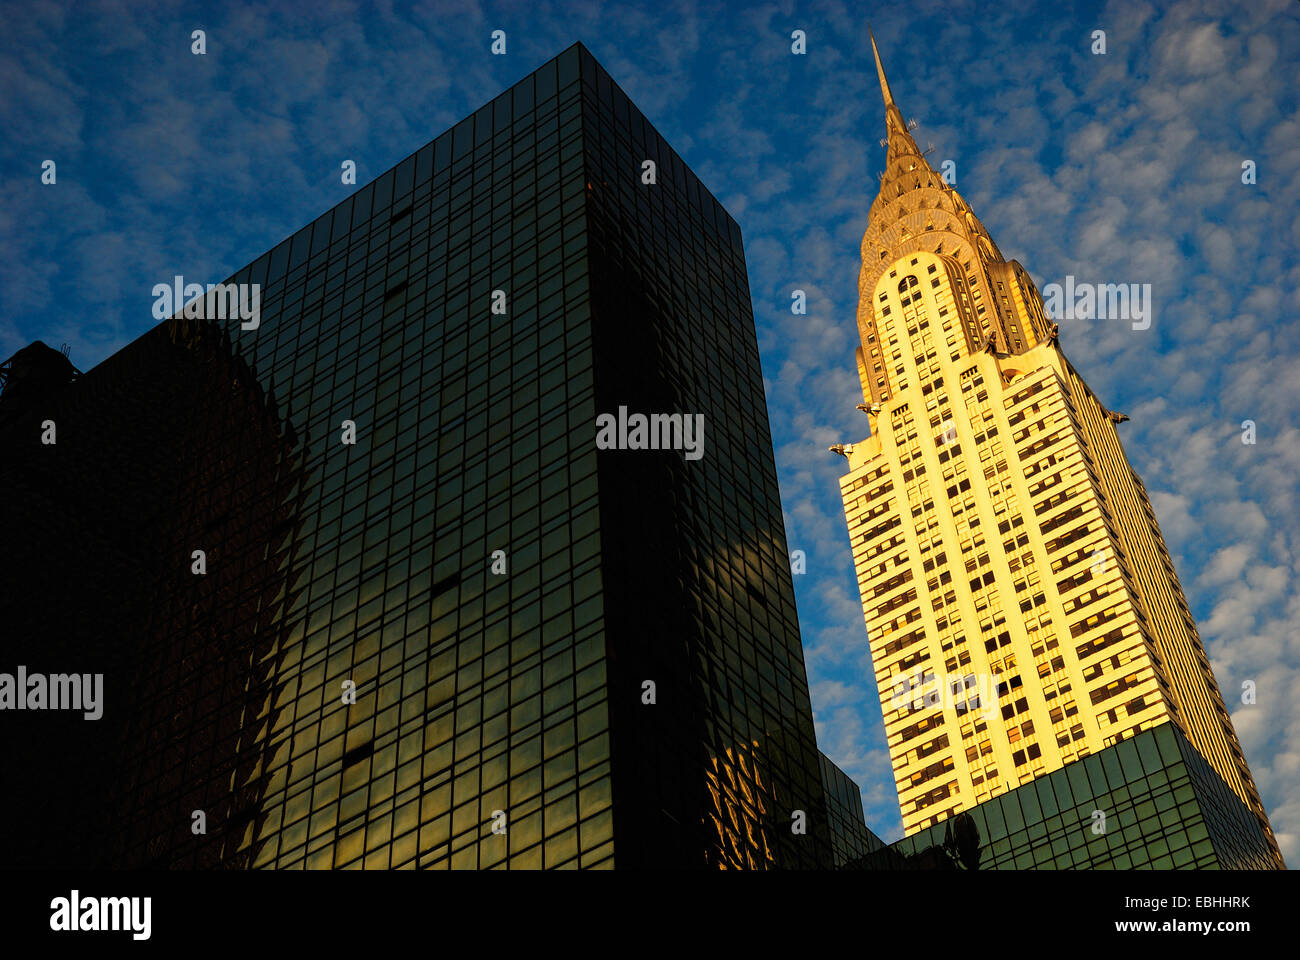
x,y
1119,168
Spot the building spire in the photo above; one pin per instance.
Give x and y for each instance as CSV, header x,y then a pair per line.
x,y
880,71
899,140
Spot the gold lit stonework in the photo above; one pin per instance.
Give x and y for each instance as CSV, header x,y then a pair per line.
x,y
1003,545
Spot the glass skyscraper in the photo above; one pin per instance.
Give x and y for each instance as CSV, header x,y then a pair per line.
x,y
1151,802
851,839
363,588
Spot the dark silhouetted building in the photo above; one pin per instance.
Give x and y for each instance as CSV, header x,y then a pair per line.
x,y
364,591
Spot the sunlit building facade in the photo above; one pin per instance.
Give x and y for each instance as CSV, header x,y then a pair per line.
x,y
437,626
1021,607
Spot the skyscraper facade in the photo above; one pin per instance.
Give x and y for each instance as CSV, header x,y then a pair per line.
x,y
1022,609
364,589
851,839
1149,802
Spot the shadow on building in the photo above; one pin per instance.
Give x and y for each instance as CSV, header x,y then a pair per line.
x,y
167,448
